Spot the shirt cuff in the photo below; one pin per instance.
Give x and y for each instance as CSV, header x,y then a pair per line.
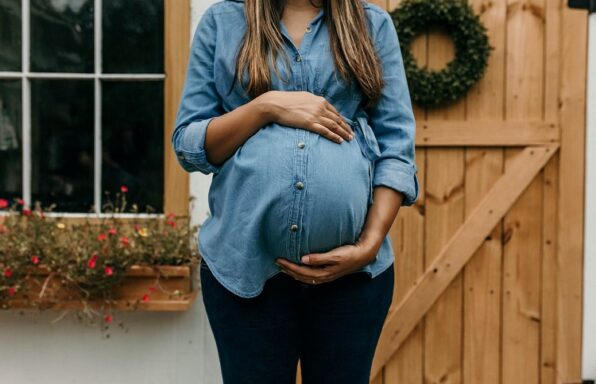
x,y
190,148
399,176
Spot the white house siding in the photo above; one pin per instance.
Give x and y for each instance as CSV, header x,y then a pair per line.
x,y
160,348
589,322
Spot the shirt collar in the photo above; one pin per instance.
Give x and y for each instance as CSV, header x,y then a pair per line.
x,y
316,18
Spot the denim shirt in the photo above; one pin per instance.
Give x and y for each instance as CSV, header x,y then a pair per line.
x,y
287,192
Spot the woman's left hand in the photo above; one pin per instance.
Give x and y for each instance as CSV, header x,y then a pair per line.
x,y
328,266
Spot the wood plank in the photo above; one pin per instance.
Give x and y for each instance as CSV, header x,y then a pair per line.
x,y
552,56
133,271
176,48
482,274
548,315
522,225
571,202
456,253
443,323
157,305
407,235
492,133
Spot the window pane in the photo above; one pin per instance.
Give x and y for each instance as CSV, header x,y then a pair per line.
x,y
10,140
62,143
133,36
62,35
10,35
132,138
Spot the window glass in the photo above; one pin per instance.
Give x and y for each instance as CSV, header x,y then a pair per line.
x,y
62,138
61,129
133,36
62,36
133,140
10,35
11,170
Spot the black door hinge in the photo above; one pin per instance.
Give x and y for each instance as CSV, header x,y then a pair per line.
x,y
590,5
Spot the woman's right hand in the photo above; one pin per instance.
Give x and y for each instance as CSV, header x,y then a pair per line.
x,y
301,109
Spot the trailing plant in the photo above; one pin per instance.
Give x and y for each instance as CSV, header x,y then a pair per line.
x,y
92,254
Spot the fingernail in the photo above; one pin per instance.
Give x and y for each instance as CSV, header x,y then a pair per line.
x,y
351,137
341,140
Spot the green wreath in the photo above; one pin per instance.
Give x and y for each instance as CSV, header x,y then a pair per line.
x,y
472,49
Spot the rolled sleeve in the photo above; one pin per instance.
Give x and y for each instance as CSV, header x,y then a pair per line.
x,y
190,148
399,176
200,102
392,119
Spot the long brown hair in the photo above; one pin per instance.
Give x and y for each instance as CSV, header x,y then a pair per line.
x,y
353,51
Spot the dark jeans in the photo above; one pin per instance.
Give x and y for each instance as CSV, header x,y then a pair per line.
x,y
333,328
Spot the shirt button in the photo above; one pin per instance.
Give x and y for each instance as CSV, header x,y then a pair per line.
x,y
308,29
293,228
301,145
298,58
300,185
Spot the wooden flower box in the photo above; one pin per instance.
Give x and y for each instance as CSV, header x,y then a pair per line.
x,y
159,288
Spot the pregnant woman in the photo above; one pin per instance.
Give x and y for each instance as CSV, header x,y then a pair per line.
x,y
301,112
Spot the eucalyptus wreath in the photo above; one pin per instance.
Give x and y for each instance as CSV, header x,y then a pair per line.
x,y
431,88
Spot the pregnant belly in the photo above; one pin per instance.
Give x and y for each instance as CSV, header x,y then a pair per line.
x,y
264,171
339,177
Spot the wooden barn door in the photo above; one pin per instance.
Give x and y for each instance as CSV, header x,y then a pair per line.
x,y
489,261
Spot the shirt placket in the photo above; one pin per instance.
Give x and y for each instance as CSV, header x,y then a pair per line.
x,y
300,154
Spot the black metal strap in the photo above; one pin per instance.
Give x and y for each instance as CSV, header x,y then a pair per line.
x,y
590,5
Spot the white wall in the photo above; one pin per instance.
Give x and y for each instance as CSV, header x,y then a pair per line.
x,y
160,348
589,321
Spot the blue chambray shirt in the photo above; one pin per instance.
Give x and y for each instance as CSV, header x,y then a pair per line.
x,y
287,192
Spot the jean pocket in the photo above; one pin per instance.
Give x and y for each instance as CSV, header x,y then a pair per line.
x,y
203,264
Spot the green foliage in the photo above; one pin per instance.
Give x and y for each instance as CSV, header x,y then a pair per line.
x,y
93,253
430,88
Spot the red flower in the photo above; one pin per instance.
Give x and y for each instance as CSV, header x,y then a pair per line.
x,y
35,259
3,203
112,231
124,188
20,202
27,212
108,271
92,261
7,272
102,237
137,227
146,298
170,215
124,240
11,291
108,318
171,223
